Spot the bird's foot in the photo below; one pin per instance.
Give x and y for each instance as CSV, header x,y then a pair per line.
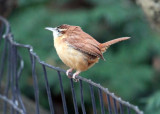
x,y
74,76
68,72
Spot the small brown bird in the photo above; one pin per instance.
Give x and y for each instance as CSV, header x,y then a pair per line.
x,y
77,49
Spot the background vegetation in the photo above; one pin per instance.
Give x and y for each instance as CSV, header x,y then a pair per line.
x,y
132,67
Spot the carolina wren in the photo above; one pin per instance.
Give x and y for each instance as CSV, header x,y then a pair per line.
x,y
77,49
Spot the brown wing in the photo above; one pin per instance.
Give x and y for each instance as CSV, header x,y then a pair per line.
x,y
83,42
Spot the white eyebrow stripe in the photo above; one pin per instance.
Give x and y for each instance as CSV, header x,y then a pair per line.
x,y
62,29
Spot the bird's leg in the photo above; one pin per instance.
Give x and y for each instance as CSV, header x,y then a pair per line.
x,y
69,71
76,74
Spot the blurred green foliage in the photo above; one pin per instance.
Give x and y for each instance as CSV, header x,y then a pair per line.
x,y
128,70
153,104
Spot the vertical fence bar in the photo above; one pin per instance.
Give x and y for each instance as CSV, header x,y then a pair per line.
x,y
2,65
48,90
82,100
8,78
62,94
36,89
13,76
109,104
121,109
101,101
93,99
128,110
115,106
1,31
20,100
20,66
18,95
74,97
17,78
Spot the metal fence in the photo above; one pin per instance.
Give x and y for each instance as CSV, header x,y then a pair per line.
x,y
13,71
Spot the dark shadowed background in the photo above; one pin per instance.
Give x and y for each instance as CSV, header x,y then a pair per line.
x,y
132,67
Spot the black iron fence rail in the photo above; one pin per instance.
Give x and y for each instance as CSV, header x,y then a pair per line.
x,y
14,74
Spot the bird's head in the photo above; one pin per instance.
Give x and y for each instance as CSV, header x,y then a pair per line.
x,y
58,31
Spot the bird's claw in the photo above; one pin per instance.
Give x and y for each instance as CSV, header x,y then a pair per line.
x,y
74,78
69,71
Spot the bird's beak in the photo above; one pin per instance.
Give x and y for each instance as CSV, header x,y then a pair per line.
x,y
51,29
